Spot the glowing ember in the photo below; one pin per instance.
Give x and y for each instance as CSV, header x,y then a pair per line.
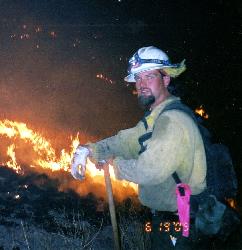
x,y
24,36
232,203
102,77
134,92
38,29
200,111
45,155
53,34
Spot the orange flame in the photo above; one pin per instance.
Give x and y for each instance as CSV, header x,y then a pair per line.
x,y
232,203
200,111
12,162
46,155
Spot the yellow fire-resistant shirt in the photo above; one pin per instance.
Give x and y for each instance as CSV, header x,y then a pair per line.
x,y
175,145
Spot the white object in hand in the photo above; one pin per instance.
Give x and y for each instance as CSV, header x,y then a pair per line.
x,y
78,166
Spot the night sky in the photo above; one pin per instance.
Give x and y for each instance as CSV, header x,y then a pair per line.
x,y
62,63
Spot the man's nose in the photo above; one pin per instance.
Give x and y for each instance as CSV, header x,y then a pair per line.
x,y
143,83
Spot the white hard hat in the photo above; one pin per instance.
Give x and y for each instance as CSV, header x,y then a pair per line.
x,y
149,58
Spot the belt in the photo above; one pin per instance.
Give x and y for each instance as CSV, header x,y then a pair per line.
x,y
165,215
169,216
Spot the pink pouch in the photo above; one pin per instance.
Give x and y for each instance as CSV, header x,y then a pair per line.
x,y
183,205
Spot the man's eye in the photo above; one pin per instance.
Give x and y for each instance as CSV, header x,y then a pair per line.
x,y
150,77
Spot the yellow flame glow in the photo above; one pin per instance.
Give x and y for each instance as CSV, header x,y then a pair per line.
x,y
46,155
12,162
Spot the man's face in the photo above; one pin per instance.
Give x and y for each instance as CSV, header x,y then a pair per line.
x,y
151,86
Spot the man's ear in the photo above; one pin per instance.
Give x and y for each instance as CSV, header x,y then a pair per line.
x,y
166,80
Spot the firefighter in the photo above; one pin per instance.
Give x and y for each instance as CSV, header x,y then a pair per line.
x,y
159,145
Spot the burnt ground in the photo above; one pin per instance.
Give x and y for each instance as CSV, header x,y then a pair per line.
x,y
35,215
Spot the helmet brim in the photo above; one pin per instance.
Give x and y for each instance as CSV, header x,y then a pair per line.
x,y
130,77
172,70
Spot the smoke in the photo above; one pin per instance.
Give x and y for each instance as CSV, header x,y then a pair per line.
x,y
56,93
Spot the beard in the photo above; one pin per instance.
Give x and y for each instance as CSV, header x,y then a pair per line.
x,y
146,101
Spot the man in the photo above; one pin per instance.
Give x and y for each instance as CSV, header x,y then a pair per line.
x,y
159,145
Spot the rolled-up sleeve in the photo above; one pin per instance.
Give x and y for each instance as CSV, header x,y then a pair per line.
x,y
161,158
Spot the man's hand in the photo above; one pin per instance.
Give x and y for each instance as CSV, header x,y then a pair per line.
x,y
101,164
78,166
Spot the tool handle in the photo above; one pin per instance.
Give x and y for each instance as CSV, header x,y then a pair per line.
x,y
109,191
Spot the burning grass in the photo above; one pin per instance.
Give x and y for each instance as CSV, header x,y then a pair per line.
x,y
30,148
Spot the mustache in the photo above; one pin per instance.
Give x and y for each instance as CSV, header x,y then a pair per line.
x,y
142,89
